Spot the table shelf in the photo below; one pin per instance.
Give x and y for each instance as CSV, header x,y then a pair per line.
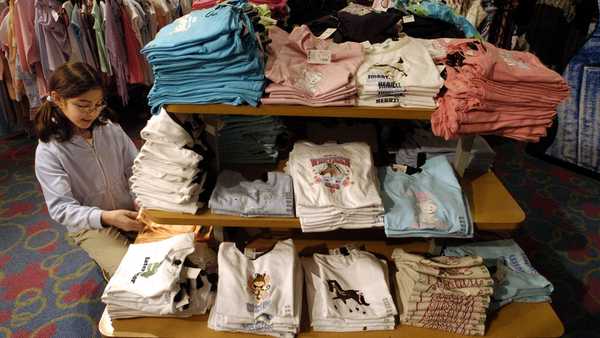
x,y
492,207
306,111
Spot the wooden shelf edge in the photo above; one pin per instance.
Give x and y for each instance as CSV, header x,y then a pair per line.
x,y
533,320
492,206
398,113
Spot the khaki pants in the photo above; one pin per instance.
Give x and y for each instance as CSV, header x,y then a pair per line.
x,y
106,247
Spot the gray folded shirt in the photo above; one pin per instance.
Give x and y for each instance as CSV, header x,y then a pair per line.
x,y
235,195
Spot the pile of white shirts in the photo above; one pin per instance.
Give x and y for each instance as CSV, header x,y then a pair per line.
x,y
335,186
152,280
348,292
398,74
258,293
165,173
422,141
444,293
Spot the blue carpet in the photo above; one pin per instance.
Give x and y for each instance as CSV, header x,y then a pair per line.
x,y
50,288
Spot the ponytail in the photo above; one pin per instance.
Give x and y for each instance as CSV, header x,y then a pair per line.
x,y
51,123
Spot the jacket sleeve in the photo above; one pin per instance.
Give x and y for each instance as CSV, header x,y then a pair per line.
x,y
56,186
130,152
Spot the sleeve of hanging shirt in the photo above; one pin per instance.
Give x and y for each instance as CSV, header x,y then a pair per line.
x,y
56,186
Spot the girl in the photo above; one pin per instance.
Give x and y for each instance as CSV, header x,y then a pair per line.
x,y
83,163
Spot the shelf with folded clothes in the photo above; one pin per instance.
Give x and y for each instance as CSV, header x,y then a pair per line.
x,y
492,207
536,319
307,111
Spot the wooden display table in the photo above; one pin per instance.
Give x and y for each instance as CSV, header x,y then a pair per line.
x,y
306,111
513,320
492,207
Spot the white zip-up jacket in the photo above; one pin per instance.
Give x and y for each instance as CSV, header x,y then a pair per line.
x,y
79,179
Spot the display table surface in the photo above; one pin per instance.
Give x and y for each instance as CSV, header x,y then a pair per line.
x,y
492,207
513,320
307,111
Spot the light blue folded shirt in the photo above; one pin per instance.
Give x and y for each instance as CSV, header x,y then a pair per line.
x,y
516,279
195,28
425,204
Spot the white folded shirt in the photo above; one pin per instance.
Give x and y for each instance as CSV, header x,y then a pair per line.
x,y
161,128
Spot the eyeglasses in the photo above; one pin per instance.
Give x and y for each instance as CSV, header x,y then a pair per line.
x,y
86,109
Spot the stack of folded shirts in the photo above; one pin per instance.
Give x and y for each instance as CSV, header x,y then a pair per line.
x,y
258,293
444,293
496,91
153,280
250,139
398,73
348,292
207,56
310,71
427,203
335,186
516,279
234,195
166,175
422,141
357,23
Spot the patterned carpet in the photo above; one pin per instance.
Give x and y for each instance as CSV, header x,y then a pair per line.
x,y
50,288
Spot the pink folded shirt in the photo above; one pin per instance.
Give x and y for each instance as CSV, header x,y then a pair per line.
x,y
504,65
288,62
496,91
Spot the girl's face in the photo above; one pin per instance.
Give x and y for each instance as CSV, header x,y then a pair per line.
x,y
82,110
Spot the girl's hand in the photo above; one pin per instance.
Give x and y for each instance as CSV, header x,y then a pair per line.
x,y
122,219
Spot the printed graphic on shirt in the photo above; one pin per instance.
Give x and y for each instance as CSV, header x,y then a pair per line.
x,y
386,77
183,24
260,286
332,171
427,213
510,60
148,269
448,260
309,81
261,323
344,295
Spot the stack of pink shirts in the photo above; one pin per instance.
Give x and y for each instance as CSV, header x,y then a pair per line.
x,y
309,71
496,91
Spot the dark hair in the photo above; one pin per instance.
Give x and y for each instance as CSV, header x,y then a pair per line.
x,y
69,80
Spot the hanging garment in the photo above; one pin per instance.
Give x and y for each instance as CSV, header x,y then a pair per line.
x,y
115,48
51,35
99,28
23,25
578,136
132,45
83,26
75,52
